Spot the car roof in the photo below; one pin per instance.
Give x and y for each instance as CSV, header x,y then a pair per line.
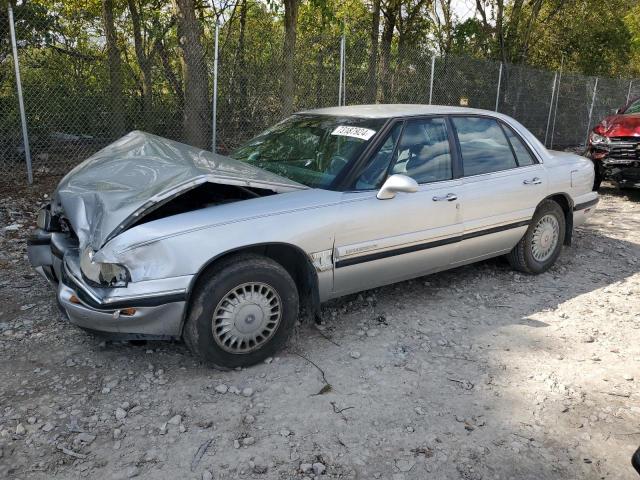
x,y
393,110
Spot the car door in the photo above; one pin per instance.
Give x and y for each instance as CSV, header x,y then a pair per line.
x,y
384,241
503,182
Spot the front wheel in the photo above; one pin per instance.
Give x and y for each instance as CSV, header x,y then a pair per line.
x,y
242,311
540,247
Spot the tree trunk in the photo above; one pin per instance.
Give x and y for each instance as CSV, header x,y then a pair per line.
x,y
289,54
115,70
242,98
372,74
385,50
145,66
170,75
195,114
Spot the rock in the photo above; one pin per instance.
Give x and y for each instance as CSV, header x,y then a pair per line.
x,y
132,472
236,444
248,441
84,437
318,468
306,467
120,413
258,465
47,427
207,475
355,354
628,377
588,339
32,420
175,420
247,392
268,360
118,434
234,390
284,432
249,419
20,430
222,388
372,333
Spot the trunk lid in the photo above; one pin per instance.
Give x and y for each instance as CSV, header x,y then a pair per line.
x,y
113,188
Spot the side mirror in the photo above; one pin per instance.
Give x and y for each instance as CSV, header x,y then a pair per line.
x,y
397,183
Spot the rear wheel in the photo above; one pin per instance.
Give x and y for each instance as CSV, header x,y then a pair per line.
x,y
540,247
242,311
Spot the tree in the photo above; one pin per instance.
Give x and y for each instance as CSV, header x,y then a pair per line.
x,y
374,35
115,69
289,54
194,72
144,61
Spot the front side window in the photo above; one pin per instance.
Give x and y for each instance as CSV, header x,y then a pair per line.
x,y
483,146
423,151
309,149
376,170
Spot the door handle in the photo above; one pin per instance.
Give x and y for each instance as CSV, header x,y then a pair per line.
x,y
533,181
449,197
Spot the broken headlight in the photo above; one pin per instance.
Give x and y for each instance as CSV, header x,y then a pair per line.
x,y
596,139
103,274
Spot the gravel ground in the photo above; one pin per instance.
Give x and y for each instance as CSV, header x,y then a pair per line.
x,y
476,373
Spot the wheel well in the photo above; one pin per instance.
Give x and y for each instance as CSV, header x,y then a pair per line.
x,y
294,261
567,207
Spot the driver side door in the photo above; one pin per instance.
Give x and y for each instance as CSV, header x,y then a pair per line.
x,y
379,242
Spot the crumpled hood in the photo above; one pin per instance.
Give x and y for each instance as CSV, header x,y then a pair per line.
x,y
620,126
100,196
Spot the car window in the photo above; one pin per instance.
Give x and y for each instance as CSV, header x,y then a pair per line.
x,y
633,108
423,151
523,156
376,170
483,146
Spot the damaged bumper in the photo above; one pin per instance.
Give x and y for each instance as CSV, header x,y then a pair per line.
x,y
619,161
148,309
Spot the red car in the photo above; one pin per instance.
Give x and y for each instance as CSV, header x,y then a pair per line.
x,y
614,147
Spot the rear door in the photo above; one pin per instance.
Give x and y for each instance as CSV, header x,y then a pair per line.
x,y
503,182
384,241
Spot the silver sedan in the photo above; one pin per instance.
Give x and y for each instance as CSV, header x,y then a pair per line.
x,y
150,238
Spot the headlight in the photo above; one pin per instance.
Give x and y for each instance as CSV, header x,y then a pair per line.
x,y
596,139
103,274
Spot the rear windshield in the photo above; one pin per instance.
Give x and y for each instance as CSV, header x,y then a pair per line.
x,y
310,149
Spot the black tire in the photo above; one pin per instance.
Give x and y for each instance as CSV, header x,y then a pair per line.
x,y
598,176
214,285
521,257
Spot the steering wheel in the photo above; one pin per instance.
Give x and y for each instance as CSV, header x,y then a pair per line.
x,y
338,162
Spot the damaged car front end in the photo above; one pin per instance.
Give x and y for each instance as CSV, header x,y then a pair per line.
x,y
614,147
114,287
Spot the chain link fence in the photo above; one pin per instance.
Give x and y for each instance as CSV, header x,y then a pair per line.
x,y
80,94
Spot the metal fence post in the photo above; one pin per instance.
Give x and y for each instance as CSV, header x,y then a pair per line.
x,y
433,68
593,100
23,115
629,92
555,112
498,89
214,100
341,79
553,91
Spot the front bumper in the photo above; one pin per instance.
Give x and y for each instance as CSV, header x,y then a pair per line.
x,y
146,309
619,162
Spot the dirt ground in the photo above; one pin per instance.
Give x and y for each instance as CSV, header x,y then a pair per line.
x,y
476,373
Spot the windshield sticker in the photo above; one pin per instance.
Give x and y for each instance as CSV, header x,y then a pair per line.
x,y
357,132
